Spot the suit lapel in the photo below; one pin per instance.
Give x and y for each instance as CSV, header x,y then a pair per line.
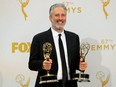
x,y
54,68
68,42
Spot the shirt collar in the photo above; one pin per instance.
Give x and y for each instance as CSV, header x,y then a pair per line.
x,y
56,33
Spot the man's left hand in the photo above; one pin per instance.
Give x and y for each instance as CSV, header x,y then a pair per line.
x,y
83,65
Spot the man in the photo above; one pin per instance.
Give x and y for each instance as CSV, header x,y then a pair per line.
x,y
71,45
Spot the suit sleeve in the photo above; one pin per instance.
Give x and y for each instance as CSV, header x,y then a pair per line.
x,y
36,58
78,52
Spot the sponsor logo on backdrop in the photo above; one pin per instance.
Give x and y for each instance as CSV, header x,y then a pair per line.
x,y
105,3
102,78
105,44
23,47
72,6
20,80
24,4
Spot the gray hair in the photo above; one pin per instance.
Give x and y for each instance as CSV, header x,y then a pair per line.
x,y
57,5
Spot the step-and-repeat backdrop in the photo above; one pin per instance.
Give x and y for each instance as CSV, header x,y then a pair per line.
x,y
93,20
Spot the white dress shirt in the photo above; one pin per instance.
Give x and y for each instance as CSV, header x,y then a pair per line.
x,y
55,38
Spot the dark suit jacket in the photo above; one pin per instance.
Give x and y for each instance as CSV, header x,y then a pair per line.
x,y
36,53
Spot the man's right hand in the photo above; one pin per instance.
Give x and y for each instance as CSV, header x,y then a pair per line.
x,y
47,64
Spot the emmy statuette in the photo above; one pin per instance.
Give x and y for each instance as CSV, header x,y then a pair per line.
x,y
81,77
101,77
20,78
48,78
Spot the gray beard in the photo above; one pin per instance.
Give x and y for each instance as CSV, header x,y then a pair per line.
x,y
57,27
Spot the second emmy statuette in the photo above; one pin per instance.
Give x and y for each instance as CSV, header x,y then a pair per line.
x,y
48,78
81,77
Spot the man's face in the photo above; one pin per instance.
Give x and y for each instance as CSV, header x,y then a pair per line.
x,y
58,18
